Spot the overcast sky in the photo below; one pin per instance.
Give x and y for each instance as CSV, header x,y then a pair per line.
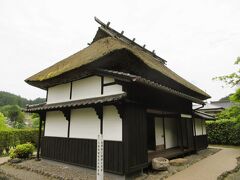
x,y
199,39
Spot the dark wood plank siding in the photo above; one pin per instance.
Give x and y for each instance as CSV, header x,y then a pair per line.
x,y
154,99
201,142
135,137
190,133
83,152
151,139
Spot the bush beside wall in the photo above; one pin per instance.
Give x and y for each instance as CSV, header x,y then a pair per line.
x,y
13,137
223,132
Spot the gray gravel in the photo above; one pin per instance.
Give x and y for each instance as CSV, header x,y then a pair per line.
x,y
10,173
45,169
57,170
153,175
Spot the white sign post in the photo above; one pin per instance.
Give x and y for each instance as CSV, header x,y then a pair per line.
x,y
100,158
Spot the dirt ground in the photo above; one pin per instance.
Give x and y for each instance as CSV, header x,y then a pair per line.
x,y
153,175
233,174
45,170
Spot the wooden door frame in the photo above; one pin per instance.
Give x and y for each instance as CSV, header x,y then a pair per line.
x,y
153,116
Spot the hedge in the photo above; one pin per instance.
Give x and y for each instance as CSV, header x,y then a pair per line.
x,y
13,137
223,132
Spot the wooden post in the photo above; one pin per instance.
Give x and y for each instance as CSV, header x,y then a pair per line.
x,y
194,134
100,145
181,132
42,116
187,135
164,135
67,115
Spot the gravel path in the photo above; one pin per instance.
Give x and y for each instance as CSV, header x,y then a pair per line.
x,y
194,158
20,174
211,167
3,160
57,170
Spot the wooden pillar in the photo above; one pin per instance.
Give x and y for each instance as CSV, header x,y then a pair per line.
x,y
42,118
181,133
67,115
164,134
187,134
194,134
99,112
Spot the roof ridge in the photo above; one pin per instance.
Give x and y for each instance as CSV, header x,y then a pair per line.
x,y
106,28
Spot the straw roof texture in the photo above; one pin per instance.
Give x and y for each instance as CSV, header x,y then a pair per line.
x,y
101,48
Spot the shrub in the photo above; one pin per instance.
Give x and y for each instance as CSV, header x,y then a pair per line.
x,y
22,151
3,124
224,131
13,137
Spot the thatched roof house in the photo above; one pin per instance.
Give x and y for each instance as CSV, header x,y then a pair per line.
x,y
126,93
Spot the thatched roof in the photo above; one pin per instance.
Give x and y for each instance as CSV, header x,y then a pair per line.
x,y
101,48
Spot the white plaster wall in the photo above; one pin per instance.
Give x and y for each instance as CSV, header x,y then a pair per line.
x,y
56,124
112,124
89,87
204,127
170,132
59,93
84,124
112,89
108,80
86,88
198,127
159,131
186,116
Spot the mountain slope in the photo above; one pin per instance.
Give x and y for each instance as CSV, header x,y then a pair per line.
x,y
7,98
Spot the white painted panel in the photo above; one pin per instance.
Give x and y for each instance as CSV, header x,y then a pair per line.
x,y
59,93
112,89
86,88
112,124
186,116
204,127
84,124
198,127
170,132
159,134
108,80
56,124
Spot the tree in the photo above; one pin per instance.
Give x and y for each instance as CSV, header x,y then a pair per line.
x,y
236,96
233,80
7,98
35,120
3,124
14,115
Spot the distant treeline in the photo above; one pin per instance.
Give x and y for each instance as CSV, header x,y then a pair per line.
x,y
7,98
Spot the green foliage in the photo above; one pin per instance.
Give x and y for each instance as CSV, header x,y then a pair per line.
x,y
232,79
14,115
234,111
3,125
225,131
236,96
229,113
13,137
7,98
22,151
35,120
